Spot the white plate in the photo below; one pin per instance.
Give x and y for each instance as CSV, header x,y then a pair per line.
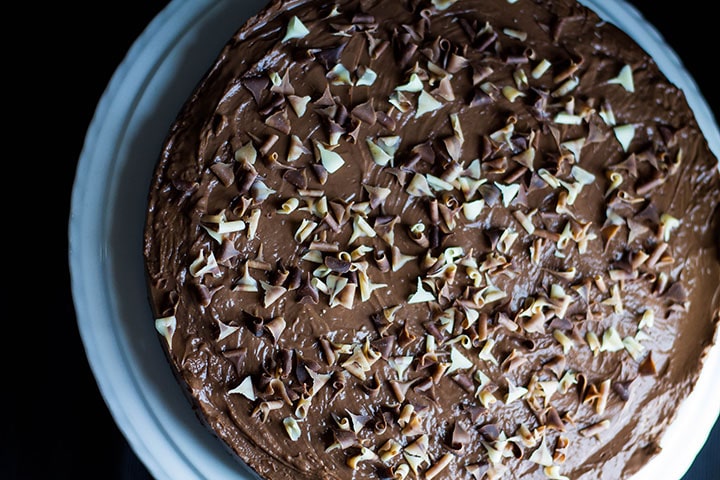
x,y
107,218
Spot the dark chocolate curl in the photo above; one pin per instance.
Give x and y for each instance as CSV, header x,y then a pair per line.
x,y
237,357
384,346
307,293
365,113
256,86
459,438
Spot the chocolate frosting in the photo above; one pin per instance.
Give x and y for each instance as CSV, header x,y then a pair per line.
x,y
435,239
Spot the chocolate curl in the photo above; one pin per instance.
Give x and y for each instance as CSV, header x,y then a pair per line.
x,y
275,386
381,260
475,413
553,420
227,251
484,41
255,324
285,362
296,178
256,85
556,365
275,102
490,432
372,387
384,346
386,121
365,112
248,178
338,382
330,57
344,439
400,389
513,361
465,382
328,351
478,470
276,327
647,366
459,438
382,420
405,337
622,389
237,357
307,293
405,51
224,172
203,294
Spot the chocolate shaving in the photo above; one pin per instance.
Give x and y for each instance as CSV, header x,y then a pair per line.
x,y
622,389
279,121
675,293
384,346
372,387
465,382
285,88
296,178
330,57
337,265
345,438
553,420
326,99
327,350
478,470
647,366
307,293
381,260
365,112
237,357
224,172
459,438
484,41
385,120
203,294
227,251
490,432
256,85
285,362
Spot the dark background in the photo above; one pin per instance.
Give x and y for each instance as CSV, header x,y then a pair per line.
x,y
56,66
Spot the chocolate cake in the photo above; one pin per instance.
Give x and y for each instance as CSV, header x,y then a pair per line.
x,y
439,239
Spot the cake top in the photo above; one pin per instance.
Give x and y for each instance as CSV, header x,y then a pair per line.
x,y
435,239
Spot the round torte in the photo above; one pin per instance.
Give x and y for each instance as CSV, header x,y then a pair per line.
x,y
439,239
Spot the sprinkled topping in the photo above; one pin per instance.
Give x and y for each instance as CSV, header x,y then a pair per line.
x,y
295,29
624,78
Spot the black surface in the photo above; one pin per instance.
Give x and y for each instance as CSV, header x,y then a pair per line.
x,y
56,67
